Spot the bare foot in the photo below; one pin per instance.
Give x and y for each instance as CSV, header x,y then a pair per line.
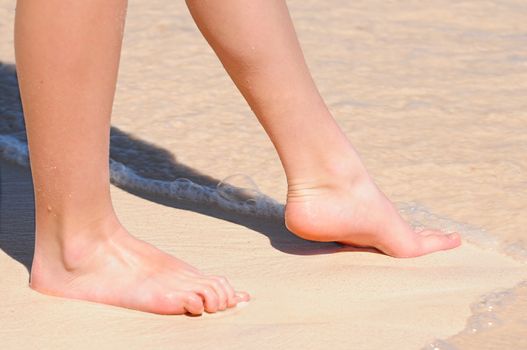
x,y
123,271
356,212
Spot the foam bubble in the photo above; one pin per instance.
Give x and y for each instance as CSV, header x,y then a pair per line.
x,y
439,345
478,323
501,309
246,199
492,301
239,188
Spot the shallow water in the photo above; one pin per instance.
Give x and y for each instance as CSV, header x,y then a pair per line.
x,y
432,94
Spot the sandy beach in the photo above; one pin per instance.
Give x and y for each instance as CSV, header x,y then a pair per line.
x,y
345,300
433,97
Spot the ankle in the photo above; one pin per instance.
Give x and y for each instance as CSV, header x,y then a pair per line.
x,y
69,248
338,170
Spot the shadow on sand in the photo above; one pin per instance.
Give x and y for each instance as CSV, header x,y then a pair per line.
x,y
16,206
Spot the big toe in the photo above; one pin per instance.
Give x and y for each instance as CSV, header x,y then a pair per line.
x,y
432,241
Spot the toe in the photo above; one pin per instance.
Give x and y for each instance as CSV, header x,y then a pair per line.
x,y
194,304
242,296
172,303
220,291
230,297
431,242
209,296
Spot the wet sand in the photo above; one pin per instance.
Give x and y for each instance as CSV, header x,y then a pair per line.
x,y
433,97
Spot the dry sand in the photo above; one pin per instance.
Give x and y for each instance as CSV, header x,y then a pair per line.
x,y
432,95
342,300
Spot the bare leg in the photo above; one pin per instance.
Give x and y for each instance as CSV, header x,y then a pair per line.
x,y
67,58
330,195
